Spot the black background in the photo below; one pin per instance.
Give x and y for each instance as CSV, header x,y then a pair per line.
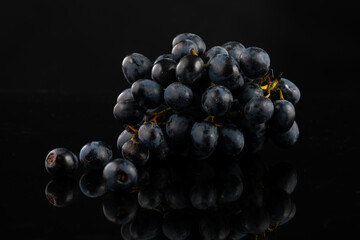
x,y
61,73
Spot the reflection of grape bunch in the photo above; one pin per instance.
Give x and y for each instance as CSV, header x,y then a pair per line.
x,y
183,199
191,119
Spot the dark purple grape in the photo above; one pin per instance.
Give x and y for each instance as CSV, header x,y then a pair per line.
x,y
92,184
259,109
231,140
204,136
151,135
124,136
223,70
61,161
95,155
127,110
164,72
120,208
290,91
193,37
178,96
284,116
212,52
149,197
135,151
190,69
147,93
217,100
61,191
248,91
120,174
136,66
178,127
288,138
254,62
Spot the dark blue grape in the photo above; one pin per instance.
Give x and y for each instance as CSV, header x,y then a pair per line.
x,y
61,191
120,174
193,37
290,91
61,161
147,93
217,100
95,155
164,72
163,150
254,62
252,129
212,52
183,48
135,151
203,195
234,49
92,184
151,135
167,56
124,136
284,116
248,91
223,70
178,127
190,69
127,110
136,66
149,197
288,138
146,225
125,231
178,96
259,109
231,140
120,208
204,136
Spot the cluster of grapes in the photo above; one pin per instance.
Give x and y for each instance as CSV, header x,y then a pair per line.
x,y
194,102
191,200
180,117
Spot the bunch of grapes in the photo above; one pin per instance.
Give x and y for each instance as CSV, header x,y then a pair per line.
x,y
195,101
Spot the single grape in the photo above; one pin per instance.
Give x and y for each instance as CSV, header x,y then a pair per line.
x,y
61,192
61,161
254,62
212,52
259,109
231,140
125,95
178,96
164,72
135,151
190,69
120,174
204,136
136,66
193,37
147,93
217,100
284,116
278,203
151,135
288,138
255,220
177,225
184,48
176,197
234,49
291,214
223,70
95,155
229,189
290,91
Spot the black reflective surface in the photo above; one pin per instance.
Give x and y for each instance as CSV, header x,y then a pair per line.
x,y
62,76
